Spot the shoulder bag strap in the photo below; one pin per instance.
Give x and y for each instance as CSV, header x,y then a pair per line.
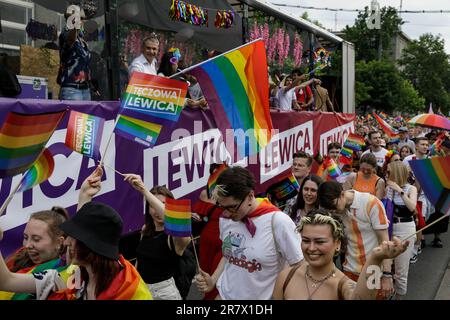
x,y
290,275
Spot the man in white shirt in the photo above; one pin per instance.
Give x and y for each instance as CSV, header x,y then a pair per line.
x,y
146,62
379,152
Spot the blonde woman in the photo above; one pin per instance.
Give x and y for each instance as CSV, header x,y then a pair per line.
x,y
404,198
316,277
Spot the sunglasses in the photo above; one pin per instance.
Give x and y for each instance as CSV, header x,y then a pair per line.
x,y
232,208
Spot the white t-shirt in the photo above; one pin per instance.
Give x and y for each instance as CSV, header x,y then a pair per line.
x,y
142,65
379,155
285,99
253,264
366,214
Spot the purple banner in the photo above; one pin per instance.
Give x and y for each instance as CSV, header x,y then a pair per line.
x,y
180,160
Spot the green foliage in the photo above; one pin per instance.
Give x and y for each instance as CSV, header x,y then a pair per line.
x,y
426,64
380,85
367,40
307,18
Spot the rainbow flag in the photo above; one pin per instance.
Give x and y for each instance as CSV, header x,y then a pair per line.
x,y
285,189
236,87
346,156
39,172
391,132
433,175
84,134
149,103
383,115
332,167
369,117
436,146
354,142
212,180
177,218
22,139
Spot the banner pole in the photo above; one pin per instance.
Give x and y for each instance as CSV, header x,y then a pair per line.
x,y
8,200
219,55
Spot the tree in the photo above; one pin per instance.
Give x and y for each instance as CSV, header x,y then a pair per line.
x,y
307,18
426,65
367,40
380,85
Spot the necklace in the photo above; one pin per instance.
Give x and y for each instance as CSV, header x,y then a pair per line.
x,y
316,283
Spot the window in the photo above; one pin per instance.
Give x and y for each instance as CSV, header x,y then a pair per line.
x,y
14,16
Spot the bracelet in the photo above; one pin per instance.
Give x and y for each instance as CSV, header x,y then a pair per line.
x,y
387,274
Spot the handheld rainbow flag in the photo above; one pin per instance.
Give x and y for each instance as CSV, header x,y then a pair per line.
x,y
354,142
149,103
433,175
84,134
236,87
177,218
333,169
383,115
285,189
212,180
369,117
436,146
22,138
391,132
39,172
346,156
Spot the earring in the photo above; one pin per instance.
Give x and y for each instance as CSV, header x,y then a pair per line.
x,y
249,204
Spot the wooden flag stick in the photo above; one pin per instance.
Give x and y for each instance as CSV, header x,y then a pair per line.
x,y
427,226
195,253
8,200
116,171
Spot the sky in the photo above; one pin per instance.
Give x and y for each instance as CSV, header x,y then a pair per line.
x,y
416,23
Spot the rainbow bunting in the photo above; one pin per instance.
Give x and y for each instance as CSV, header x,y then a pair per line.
x,y
177,218
433,175
212,180
354,142
22,138
84,134
391,132
39,172
285,189
333,169
149,103
236,87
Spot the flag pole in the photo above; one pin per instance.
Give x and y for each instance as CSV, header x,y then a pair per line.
x,y
219,55
427,226
195,252
11,195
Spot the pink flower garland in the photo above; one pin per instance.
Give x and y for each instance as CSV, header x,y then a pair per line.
x,y
298,50
280,46
287,43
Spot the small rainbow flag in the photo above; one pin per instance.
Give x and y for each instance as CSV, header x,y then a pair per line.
x,y
285,189
333,168
391,132
354,142
346,156
212,180
436,146
39,172
236,87
383,115
369,117
433,175
149,103
84,134
22,139
177,218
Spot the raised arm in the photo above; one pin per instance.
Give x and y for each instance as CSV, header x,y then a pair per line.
x,y
90,187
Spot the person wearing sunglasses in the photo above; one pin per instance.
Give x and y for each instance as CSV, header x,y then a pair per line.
x,y
257,240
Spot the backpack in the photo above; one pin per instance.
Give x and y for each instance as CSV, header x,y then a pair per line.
x,y
10,86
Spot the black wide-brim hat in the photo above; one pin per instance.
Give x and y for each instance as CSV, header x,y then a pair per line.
x,y
98,226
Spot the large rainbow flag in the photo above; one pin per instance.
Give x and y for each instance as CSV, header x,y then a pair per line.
x,y
40,171
84,134
236,87
177,217
149,103
433,175
22,139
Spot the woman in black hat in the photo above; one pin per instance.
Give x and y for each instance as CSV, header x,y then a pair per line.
x,y
93,235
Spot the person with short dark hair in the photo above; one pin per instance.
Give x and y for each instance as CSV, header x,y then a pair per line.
x,y
366,226
374,138
257,238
